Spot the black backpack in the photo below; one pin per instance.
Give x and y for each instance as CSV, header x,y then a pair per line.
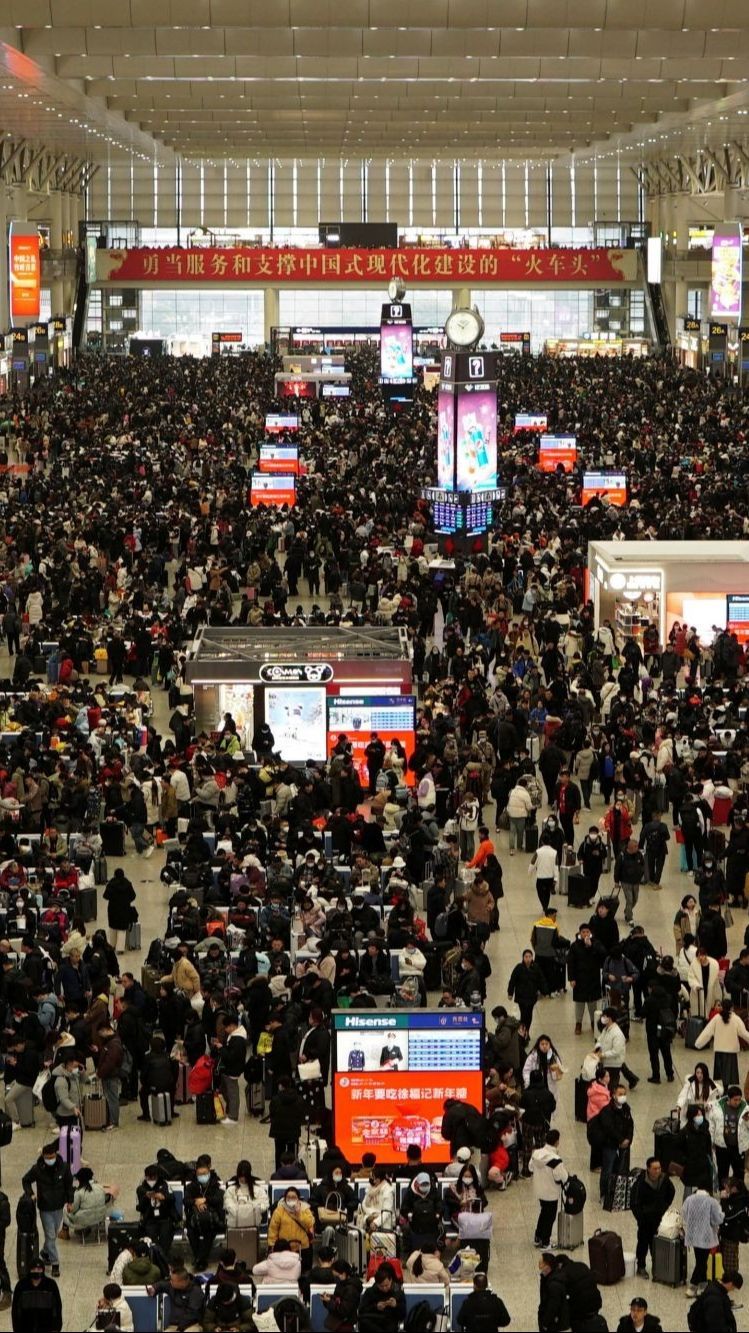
x,y
574,1195
49,1096
696,1316
421,1318
424,1217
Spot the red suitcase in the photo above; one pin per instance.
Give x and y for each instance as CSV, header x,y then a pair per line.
x,y
606,1257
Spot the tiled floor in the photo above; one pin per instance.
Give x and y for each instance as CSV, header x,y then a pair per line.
x,y
119,1157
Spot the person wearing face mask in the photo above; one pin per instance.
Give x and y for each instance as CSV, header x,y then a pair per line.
x,y
592,854
204,1210
245,1198
53,1181
629,873
615,1129
612,1047
293,1220
333,1192
37,1306
158,1214
693,1146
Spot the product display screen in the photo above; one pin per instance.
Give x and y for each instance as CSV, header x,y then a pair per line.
x,y
476,438
393,1071
396,352
296,716
276,423
298,389
335,391
737,616
445,440
726,272
393,717
268,489
279,458
611,484
530,421
556,449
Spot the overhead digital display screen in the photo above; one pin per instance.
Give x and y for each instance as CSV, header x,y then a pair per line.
x,y
530,421
737,616
392,717
296,716
396,352
727,272
268,489
276,423
336,391
612,485
283,458
393,1071
556,449
476,438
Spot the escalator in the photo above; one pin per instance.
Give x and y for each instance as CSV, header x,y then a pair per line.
x,y
656,316
80,310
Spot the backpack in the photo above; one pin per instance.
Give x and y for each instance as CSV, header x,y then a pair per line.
x,y
200,1078
441,926
49,1096
696,1316
574,1195
667,1022
424,1217
421,1318
688,819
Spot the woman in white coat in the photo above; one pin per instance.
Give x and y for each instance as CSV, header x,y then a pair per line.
x,y
703,997
698,1090
727,1031
34,607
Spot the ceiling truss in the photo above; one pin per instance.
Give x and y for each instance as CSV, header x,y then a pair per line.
x,y
39,170
708,172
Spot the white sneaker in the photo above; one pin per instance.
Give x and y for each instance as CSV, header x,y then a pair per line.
x,y
227,1120
149,851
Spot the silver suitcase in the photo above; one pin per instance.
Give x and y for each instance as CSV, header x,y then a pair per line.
x,y
569,1230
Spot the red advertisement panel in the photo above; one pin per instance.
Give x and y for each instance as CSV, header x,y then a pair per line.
x,y
609,484
24,271
383,1113
272,490
298,389
556,449
392,717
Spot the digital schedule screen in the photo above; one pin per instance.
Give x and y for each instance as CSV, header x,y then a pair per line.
x,y
269,489
392,716
612,485
530,421
737,616
476,438
556,449
276,423
392,1072
283,458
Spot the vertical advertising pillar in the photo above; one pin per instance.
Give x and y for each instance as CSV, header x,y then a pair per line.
x,y
396,353
24,272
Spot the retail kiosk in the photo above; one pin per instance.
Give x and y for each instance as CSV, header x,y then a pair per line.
x,y
634,583
308,683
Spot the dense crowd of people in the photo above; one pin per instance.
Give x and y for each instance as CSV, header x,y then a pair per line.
x,y
131,529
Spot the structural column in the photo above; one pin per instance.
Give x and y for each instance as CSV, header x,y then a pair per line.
x,y
57,291
271,311
462,298
4,295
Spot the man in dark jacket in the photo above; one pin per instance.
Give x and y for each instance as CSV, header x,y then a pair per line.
x,y
652,1194
615,1131
186,1297
54,1188
553,1306
136,817
584,962
483,1311
526,983
131,1031
660,1030
204,1210
638,1320
386,1299
629,872
288,1112
654,840
712,1312
109,1059
342,1303
711,932
568,802
37,1307
232,1057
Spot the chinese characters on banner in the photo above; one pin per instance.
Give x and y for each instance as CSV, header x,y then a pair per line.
x,y
267,267
24,271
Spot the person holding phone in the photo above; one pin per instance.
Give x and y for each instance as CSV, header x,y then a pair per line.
x,y
112,1310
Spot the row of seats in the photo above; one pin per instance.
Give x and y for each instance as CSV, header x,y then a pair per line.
x,y
145,1307
277,1189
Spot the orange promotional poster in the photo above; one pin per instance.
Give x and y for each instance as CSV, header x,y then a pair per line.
x,y
24,271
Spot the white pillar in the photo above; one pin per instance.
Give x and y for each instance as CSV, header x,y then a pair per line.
x,y
271,311
4,296
57,292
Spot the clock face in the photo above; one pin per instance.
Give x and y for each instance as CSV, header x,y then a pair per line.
x,y
396,290
464,327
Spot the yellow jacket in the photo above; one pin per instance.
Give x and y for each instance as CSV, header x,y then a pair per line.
x,y
185,977
297,1227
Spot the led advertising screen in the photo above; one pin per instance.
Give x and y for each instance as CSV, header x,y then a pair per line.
x,y
336,391
737,616
24,271
298,389
396,352
531,421
283,458
611,484
393,717
393,1071
296,716
445,440
269,489
476,438
556,449
276,423
726,274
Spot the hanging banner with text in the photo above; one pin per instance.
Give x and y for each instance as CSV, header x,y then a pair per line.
x,y
269,267
24,271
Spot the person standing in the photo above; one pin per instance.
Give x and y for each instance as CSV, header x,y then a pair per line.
x,y
109,1058
592,854
660,1030
232,1058
586,762
12,630
546,939
728,1118
483,1308
54,1189
568,802
37,1306
288,1112
654,840
727,1030
584,963
543,865
119,895
375,753
612,1049
519,807
651,1196
549,1174
6,1286
702,1216
527,982
615,1130
715,1305
629,873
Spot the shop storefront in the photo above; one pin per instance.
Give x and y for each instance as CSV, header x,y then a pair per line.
x,y
309,684
634,584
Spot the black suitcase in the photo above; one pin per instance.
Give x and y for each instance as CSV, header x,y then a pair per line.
x,y
101,874
112,838
27,1250
120,1236
205,1109
581,1100
86,904
578,892
531,837
665,1131
433,969
669,1261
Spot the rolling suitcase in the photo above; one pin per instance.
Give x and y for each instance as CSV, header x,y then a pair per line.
x,y
606,1257
100,870
205,1109
254,1073
27,1250
86,904
245,1243
578,891
69,1146
349,1244
112,838
120,1236
95,1107
133,935
569,1230
669,1261
182,1095
696,1024
664,1138
160,1108
149,980
581,1100
531,837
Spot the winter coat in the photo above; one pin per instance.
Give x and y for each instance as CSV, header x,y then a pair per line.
x,y
54,1184
119,895
67,1091
185,977
479,904
156,1074
140,1273
547,1178
694,1146
433,1268
584,963
241,1209
716,1120
702,1216
727,1037
630,868
519,803
599,1096
288,1113
89,1208
284,1266
615,1124
650,1202
612,1047
526,984
296,1227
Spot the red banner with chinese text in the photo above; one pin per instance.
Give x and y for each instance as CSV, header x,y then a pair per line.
x,y
270,267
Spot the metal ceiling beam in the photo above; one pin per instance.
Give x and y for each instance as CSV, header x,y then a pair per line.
x,y
12,158
51,169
